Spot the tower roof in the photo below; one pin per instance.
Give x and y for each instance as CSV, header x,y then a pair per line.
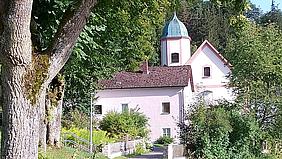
x,y
174,28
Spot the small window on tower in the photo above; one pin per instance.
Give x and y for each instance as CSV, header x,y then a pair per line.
x,y
207,71
174,57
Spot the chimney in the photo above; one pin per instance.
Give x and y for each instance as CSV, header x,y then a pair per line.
x,y
144,67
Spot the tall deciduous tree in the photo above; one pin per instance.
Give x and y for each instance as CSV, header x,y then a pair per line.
x,y
118,36
256,55
26,73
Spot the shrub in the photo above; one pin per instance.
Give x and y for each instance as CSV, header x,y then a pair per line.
x,y
99,137
140,149
131,124
164,140
77,119
222,132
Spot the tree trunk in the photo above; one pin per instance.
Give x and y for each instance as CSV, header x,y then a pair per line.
x,y
26,75
20,117
54,103
42,121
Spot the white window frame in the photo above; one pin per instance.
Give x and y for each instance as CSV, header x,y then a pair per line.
x,y
166,132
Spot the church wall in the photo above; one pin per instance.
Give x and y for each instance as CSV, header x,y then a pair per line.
x,y
163,52
217,81
173,46
185,50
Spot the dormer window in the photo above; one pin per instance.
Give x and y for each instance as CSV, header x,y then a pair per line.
x,y
174,57
207,71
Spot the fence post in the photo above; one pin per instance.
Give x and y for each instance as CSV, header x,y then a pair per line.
x,y
109,150
169,151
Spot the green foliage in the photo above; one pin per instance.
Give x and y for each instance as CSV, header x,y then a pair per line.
x,y
118,36
140,149
207,20
164,140
256,53
99,138
131,124
68,153
44,28
221,132
273,16
77,119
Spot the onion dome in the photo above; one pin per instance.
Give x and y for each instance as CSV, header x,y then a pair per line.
x,y
174,28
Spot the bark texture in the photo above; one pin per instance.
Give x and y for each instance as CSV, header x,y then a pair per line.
x,y
54,103
25,76
20,117
42,121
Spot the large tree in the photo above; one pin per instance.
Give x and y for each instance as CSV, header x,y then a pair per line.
x,y
134,27
256,56
26,72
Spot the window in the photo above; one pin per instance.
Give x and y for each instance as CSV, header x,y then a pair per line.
x,y
97,109
124,107
174,57
207,97
207,71
166,108
166,132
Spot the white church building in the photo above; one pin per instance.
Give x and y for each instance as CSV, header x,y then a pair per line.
x,y
163,93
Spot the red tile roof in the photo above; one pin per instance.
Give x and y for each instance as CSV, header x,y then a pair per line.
x,y
173,76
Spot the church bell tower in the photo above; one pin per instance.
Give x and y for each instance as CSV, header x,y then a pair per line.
x,y
175,43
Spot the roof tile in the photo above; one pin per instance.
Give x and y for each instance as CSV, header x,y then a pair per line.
x,y
173,76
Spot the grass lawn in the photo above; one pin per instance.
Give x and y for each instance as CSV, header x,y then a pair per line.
x,y
68,153
121,157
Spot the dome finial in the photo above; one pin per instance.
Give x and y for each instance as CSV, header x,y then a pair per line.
x,y
174,14
174,28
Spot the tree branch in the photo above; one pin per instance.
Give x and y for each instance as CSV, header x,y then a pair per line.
x,y
66,36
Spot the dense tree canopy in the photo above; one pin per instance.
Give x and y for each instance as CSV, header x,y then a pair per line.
x,y
256,56
119,35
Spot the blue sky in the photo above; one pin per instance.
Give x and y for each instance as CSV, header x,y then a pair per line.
x,y
265,5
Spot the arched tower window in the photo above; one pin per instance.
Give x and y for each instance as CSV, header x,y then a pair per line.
x,y
174,57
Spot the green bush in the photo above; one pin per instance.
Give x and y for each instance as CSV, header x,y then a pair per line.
x,y
164,140
77,119
131,124
222,132
140,149
99,137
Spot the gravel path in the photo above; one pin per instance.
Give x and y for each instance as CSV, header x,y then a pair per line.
x,y
155,155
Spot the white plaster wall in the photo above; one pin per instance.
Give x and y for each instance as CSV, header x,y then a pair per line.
x,y
181,46
163,53
185,50
149,100
188,96
217,80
